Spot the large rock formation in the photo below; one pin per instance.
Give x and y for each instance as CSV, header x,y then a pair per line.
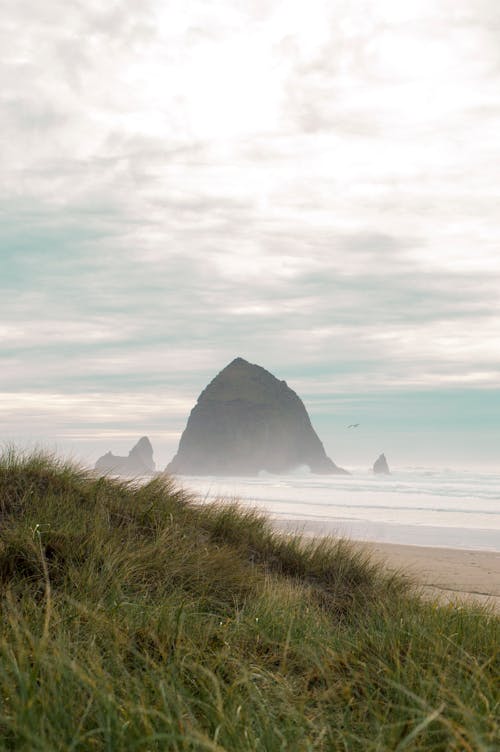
x,y
139,461
380,466
245,421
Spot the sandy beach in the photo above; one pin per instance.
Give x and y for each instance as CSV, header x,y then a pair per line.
x,y
441,528
449,574
452,575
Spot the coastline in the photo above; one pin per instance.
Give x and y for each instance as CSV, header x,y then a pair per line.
x,y
449,575
448,544
440,510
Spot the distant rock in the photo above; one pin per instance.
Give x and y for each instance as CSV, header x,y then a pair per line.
x,y
139,461
246,421
380,466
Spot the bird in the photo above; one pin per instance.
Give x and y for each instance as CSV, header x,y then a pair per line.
x,y
353,425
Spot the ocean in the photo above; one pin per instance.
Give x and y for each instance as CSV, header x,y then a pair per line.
x,y
414,505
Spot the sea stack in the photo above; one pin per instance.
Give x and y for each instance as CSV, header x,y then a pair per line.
x,y
139,461
246,421
380,466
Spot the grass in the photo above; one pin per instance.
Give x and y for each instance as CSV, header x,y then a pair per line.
x,y
133,618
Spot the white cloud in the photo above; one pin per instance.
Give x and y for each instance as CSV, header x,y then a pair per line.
x,y
182,183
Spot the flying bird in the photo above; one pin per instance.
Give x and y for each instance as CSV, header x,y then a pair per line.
x,y
353,425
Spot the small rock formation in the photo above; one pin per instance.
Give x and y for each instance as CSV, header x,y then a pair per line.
x,y
139,461
380,466
245,421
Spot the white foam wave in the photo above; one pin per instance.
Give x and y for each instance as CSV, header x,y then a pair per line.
x,y
413,505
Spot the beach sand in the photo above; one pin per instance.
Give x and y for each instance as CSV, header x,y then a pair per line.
x,y
451,575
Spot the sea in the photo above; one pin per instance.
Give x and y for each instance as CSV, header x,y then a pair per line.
x,y
413,506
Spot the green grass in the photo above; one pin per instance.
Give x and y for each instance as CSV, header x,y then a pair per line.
x,y
133,618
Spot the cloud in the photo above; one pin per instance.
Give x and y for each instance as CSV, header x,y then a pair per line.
x,y
314,189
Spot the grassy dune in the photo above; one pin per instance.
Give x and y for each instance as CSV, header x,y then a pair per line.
x,y
134,619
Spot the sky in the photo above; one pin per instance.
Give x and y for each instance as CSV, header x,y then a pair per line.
x,y
312,186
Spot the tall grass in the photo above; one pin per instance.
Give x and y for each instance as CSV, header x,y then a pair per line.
x,y
134,618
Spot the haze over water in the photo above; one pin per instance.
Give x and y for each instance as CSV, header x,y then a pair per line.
x,y
417,506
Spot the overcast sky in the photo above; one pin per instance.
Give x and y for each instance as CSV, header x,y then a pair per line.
x,y
313,186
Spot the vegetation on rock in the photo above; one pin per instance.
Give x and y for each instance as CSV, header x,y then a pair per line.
x,y
245,421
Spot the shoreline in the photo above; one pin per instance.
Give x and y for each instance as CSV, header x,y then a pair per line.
x,y
449,575
447,563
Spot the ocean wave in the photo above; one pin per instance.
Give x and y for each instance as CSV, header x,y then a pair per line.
x,y
457,506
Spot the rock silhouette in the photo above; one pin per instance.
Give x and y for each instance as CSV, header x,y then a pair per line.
x,y
245,421
380,466
139,461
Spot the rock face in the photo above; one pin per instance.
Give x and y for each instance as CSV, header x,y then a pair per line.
x,y
244,421
139,461
380,466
